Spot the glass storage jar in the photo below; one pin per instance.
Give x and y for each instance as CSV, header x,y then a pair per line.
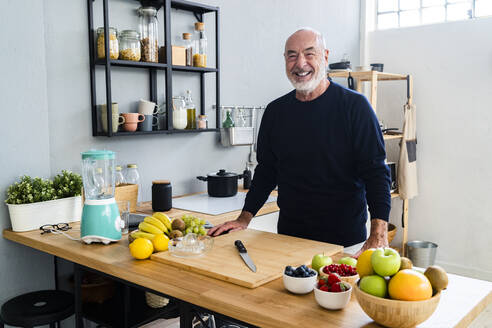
x,y
180,119
200,55
202,122
113,43
129,45
148,34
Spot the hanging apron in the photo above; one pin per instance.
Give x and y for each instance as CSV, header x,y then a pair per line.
x,y
407,165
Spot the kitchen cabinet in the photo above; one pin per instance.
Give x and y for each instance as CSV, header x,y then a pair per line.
x,y
373,77
199,10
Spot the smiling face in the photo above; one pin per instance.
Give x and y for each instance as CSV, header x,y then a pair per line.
x,y
305,60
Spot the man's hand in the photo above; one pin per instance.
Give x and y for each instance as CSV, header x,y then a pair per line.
x,y
238,224
378,236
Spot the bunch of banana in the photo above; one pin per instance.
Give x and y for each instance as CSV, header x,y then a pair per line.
x,y
151,226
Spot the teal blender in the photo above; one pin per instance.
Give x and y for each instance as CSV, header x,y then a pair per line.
x,y
101,220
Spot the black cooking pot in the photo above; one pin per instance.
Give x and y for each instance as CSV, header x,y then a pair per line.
x,y
222,183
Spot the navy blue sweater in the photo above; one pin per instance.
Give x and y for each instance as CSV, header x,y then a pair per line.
x,y
327,158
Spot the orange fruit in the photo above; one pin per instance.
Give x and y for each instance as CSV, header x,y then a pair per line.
x,y
409,285
364,266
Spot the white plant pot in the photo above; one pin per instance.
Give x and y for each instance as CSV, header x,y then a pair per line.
x,y
25,217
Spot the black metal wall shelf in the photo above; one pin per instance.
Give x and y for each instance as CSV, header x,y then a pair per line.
x,y
123,133
198,10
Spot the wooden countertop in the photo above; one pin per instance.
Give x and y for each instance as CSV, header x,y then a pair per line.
x,y
269,305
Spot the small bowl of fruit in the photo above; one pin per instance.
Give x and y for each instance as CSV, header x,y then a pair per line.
x,y
331,292
346,272
300,280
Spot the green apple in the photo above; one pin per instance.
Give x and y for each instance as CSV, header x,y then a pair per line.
x,y
348,261
385,261
319,261
374,285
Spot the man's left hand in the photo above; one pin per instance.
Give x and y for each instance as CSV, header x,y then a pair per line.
x,y
377,238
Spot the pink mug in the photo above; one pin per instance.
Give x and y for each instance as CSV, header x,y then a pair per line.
x,y
132,120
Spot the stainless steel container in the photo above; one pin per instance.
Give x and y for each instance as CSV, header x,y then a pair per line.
x,y
421,253
237,136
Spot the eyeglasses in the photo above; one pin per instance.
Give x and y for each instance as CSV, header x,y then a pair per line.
x,y
47,228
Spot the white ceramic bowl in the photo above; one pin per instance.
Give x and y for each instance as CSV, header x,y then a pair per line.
x,y
331,300
300,285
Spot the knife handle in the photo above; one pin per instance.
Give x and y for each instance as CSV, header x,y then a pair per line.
x,y
240,247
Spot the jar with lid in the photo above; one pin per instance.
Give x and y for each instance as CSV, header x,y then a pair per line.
x,y
113,43
130,45
180,119
200,55
190,111
148,29
119,178
133,177
161,195
189,48
202,122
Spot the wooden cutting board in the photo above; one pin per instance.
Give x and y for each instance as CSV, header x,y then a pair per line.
x,y
270,252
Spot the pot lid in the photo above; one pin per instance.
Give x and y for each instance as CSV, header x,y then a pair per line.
x,y
222,174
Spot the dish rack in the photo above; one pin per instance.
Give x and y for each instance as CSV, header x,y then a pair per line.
x,y
245,121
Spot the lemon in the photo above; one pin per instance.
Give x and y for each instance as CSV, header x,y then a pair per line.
x,y
364,265
161,242
141,248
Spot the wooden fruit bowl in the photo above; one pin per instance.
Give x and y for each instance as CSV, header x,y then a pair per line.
x,y
391,232
393,313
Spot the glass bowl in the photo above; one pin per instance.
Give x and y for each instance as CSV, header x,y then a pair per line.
x,y
191,245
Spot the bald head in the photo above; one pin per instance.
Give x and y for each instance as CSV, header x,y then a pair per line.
x,y
307,33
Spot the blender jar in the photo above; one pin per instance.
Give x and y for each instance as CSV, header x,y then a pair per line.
x,y
98,174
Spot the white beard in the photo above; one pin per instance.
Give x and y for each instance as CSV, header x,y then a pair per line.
x,y
309,86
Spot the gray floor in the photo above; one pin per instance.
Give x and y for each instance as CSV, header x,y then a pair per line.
x,y
484,320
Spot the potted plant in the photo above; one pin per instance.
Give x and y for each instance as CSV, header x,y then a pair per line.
x,y
33,202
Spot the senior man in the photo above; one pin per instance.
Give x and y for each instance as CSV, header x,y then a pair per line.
x,y
322,145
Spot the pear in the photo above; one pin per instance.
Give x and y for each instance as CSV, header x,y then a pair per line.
x,y
437,277
406,263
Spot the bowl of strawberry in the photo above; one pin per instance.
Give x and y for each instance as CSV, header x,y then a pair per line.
x,y
331,292
347,273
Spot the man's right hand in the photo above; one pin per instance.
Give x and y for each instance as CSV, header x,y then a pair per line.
x,y
238,224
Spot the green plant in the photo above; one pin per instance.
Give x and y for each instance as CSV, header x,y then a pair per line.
x,y
67,184
33,190
30,190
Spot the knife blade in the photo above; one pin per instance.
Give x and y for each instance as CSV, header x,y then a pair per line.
x,y
244,255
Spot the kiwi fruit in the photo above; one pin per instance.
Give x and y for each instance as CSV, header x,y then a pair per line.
x,y
175,234
178,224
437,277
406,263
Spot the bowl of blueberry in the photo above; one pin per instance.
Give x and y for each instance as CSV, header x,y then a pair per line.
x,y
300,280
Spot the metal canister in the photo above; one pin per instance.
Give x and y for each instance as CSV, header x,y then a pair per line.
x,y
161,195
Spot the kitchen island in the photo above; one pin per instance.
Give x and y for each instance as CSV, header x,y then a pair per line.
x,y
269,305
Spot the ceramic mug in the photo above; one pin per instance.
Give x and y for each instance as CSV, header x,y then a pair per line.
x,y
132,120
148,123
116,120
147,107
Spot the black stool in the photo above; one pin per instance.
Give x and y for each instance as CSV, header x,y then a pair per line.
x,y
37,308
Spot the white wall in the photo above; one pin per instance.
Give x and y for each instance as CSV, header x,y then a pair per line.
x,y
452,68
44,87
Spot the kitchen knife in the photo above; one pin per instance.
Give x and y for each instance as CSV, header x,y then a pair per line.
x,y
244,254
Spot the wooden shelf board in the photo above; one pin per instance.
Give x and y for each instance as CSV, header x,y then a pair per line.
x,y
193,6
392,136
367,75
395,195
